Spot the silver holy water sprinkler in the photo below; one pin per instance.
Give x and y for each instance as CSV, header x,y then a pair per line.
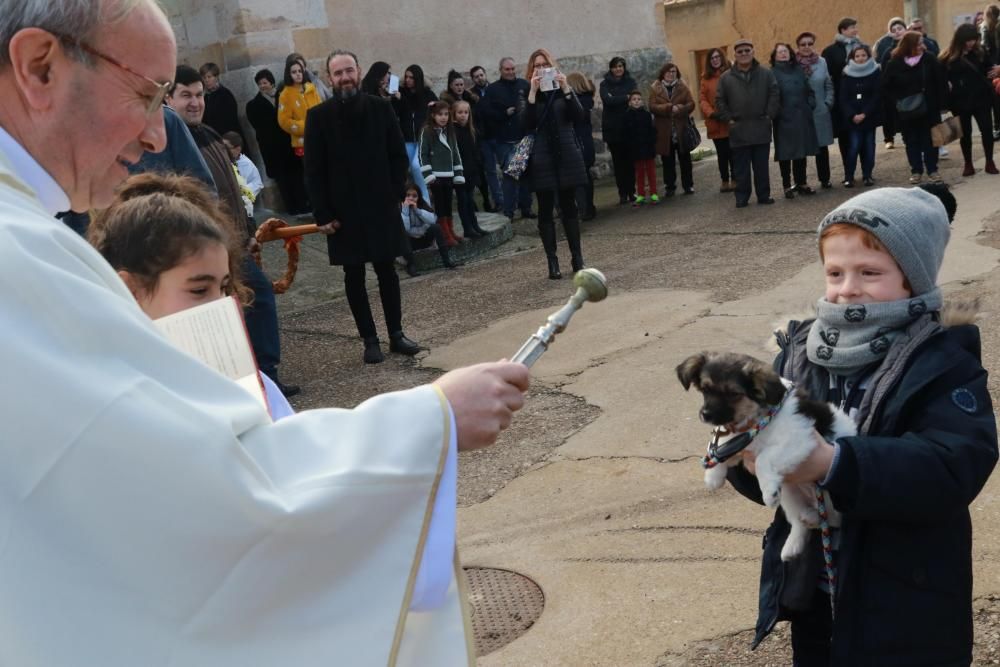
x,y
591,285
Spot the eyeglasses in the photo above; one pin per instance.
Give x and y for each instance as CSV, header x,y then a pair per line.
x,y
162,89
743,52
806,43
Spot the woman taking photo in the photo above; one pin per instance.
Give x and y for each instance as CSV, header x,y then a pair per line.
x,y
917,83
615,87
296,98
859,105
816,72
971,96
556,165
715,65
376,81
411,105
671,103
794,128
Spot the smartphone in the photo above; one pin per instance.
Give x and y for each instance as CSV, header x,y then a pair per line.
x,y
548,80
393,84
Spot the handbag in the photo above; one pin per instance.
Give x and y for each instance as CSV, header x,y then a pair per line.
x,y
946,131
914,106
518,162
692,137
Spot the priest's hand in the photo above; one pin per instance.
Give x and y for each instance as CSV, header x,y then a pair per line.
x,y
484,399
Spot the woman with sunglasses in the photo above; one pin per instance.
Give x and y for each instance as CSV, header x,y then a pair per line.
x,y
818,75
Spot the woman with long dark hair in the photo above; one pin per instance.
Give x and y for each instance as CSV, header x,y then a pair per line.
x,y
615,87
376,81
556,166
971,96
919,86
411,110
794,127
715,65
584,89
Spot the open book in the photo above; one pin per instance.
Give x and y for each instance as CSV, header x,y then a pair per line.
x,y
215,334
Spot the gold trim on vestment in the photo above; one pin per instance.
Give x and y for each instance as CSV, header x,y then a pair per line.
x,y
463,600
428,511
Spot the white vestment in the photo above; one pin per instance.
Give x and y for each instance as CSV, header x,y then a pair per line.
x,y
151,513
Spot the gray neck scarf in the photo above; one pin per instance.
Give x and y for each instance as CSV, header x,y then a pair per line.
x,y
846,339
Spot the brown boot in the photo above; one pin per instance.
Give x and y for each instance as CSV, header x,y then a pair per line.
x,y
969,169
449,233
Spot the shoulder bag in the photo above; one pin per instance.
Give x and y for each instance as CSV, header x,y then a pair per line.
x,y
914,106
518,162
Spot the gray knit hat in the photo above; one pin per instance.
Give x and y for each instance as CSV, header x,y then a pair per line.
x,y
912,225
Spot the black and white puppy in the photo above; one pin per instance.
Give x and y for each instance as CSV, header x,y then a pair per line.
x,y
738,392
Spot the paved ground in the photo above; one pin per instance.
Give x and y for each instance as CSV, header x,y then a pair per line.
x,y
595,492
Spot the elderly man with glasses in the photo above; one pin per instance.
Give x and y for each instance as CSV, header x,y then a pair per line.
x,y
747,99
150,511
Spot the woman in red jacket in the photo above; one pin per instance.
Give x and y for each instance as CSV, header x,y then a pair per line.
x,y
717,131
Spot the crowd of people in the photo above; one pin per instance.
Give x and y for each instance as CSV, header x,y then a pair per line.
x,y
213,531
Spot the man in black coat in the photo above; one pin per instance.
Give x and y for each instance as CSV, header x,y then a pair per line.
x,y
275,146
220,104
355,169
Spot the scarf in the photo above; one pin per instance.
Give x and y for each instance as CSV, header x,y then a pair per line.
x,y
846,339
848,42
857,71
913,60
807,62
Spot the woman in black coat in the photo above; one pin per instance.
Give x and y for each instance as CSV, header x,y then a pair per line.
x,y
968,68
410,104
584,89
794,128
910,72
615,87
859,103
556,167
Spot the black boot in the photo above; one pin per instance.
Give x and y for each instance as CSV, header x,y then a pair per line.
x,y
548,236
446,259
400,344
373,353
411,266
480,230
554,272
571,226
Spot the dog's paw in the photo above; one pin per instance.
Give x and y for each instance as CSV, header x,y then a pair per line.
x,y
792,548
772,498
810,517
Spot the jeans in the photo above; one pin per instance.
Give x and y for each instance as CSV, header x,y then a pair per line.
x,y
920,152
861,142
724,157
415,175
488,152
645,174
512,189
670,169
984,120
357,297
745,159
262,318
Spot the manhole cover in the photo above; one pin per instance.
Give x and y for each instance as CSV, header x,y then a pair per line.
x,y
504,605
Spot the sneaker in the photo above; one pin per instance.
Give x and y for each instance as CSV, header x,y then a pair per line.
x,y
935,177
655,198
916,178
889,145
639,200
848,183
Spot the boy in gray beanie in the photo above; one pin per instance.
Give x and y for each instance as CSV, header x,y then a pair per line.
x,y
926,445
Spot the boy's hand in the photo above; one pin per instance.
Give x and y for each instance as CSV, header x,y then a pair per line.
x,y
816,466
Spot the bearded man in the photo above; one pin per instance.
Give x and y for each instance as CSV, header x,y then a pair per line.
x,y
355,169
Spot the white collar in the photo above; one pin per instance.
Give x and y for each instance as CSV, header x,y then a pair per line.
x,y
26,168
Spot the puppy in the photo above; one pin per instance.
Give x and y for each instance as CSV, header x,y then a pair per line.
x,y
738,392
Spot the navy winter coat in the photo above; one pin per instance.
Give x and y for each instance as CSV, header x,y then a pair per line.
x,y
860,95
640,134
614,96
926,444
500,96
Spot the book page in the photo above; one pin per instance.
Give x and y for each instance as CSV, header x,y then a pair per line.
x,y
215,334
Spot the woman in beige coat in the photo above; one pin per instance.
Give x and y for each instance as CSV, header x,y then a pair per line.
x,y
671,103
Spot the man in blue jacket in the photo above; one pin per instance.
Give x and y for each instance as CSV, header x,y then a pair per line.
x,y
505,100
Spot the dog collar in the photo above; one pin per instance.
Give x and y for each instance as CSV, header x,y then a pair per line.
x,y
747,430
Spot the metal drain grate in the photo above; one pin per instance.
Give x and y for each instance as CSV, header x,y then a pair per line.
x,y
504,605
